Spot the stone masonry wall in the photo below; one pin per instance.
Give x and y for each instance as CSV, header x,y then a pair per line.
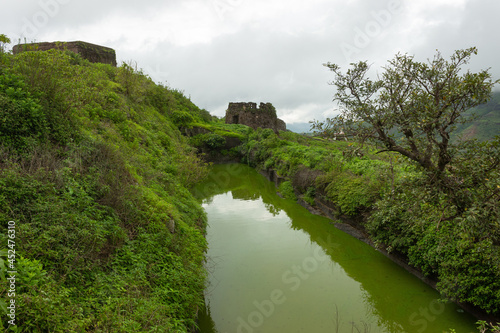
x,y
249,114
91,52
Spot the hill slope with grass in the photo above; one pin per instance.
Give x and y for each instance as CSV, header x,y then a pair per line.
x,y
486,125
95,175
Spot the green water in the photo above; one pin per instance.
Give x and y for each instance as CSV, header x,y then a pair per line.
x,y
275,267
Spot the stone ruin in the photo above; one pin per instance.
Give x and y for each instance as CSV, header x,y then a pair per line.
x,y
91,52
255,117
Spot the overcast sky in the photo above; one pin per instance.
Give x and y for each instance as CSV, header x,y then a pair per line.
x,y
221,51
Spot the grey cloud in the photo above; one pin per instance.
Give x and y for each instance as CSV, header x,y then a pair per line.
x,y
282,69
270,56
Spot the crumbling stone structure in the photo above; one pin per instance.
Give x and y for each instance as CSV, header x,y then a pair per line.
x,y
91,52
248,114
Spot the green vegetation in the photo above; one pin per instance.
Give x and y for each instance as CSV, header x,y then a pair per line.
x,y
446,218
286,190
399,206
96,175
4,40
451,235
223,129
95,172
215,139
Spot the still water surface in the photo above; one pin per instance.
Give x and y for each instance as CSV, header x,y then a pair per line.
x,y
276,268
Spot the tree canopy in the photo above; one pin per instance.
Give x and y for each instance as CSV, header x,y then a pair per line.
x,y
412,107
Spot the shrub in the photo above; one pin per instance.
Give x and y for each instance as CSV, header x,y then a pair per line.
x,y
46,305
214,141
310,195
181,118
352,194
22,120
287,191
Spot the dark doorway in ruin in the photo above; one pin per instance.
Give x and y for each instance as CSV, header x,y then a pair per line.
x,y
236,119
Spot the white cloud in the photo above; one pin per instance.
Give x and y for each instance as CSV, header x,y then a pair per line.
x,y
220,51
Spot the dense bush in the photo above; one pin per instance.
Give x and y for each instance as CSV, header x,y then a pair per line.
x,y
287,191
452,236
349,192
22,119
182,118
457,245
211,141
352,183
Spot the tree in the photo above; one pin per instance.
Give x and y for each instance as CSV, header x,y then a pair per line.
x,y
411,108
4,40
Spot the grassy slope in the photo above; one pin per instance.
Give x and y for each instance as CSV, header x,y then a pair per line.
x,y
95,173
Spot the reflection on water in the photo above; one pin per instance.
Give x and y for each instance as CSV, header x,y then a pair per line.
x,y
274,267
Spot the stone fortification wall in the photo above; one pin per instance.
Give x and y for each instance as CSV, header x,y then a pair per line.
x,y
91,52
249,114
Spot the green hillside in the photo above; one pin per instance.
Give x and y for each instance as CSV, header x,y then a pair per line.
x,y
95,175
487,124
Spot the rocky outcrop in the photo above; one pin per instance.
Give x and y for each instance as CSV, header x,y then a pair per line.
x,y
91,52
255,117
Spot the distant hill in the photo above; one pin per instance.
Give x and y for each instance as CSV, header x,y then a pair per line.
x,y
487,124
485,127
299,127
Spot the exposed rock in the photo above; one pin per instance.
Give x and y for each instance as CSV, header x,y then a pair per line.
x,y
248,114
171,226
91,52
232,142
273,176
193,131
304,178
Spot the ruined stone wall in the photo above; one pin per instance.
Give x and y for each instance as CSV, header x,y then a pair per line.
x,y
249,114
281,125
91,52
